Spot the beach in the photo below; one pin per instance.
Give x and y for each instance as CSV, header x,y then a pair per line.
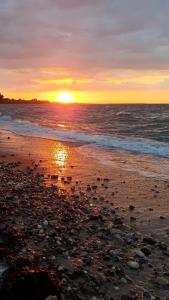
x,y
84,150
76,228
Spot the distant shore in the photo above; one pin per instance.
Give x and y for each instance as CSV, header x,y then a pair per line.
x,y
76,229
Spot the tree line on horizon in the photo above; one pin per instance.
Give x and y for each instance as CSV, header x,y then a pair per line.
x,y
6,100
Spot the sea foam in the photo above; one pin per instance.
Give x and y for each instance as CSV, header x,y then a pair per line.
x,y
143,146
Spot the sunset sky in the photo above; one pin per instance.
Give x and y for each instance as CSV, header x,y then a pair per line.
x,y
99,51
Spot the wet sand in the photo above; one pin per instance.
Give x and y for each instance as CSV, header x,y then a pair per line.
x,y
88,230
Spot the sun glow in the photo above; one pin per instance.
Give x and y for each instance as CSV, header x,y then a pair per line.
x,y
60,156
65,97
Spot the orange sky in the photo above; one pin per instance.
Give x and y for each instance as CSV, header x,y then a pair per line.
x,y
102,96
106,54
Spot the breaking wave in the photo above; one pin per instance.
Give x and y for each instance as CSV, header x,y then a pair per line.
x,y
26,128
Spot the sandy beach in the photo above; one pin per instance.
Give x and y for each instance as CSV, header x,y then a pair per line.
x,y
78,229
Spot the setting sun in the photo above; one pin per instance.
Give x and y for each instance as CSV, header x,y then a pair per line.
x,y
65,97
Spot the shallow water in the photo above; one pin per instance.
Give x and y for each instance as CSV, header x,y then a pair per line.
x,y
140,133
139,128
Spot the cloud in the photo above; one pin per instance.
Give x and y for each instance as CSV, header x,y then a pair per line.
x,y
85,38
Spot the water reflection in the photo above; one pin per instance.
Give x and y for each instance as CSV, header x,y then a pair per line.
x,y
61,155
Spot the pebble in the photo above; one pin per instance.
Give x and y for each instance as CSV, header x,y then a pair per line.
x,y
149,240
131,207
105,232
162,281
123,280
133,265
146,251
139,253
116,288
54,177
45,223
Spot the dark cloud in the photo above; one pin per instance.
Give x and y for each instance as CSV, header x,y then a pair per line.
x,y
88,37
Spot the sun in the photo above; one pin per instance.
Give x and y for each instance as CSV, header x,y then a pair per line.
x,y
65,97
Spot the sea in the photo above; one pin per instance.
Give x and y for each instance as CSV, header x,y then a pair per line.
x,y
101,129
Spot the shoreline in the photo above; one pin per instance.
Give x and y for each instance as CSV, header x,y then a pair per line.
x,y
72,234
125,183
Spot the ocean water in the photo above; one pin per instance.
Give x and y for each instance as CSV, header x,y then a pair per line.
x,y
141,129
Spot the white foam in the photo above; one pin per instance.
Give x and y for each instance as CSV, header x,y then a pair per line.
x,y
27,128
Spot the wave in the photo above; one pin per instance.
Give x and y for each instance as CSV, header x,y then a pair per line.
x,y
143,146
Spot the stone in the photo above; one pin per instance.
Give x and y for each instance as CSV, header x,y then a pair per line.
x,y
147,295
129,279
162,281
149,240
116,288
132,219
133,265
123,280
139,253
106,179
45,223
54,177
131,207
146,251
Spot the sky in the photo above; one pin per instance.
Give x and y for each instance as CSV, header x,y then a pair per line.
x,y
111,51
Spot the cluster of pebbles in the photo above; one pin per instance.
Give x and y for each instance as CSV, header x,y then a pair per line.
x,y
62,245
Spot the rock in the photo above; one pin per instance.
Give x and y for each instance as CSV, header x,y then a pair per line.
x,y
162,281
114,253
139,253
149,240
54,177
148,296
131,207
129,241
162,217
116,288
118,221
106,179
146,251
132,219
88,188
123,280
133,265
45,223
128,278
118,238
163,246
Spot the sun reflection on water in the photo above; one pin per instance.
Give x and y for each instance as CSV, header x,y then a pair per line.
x,y
61,155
